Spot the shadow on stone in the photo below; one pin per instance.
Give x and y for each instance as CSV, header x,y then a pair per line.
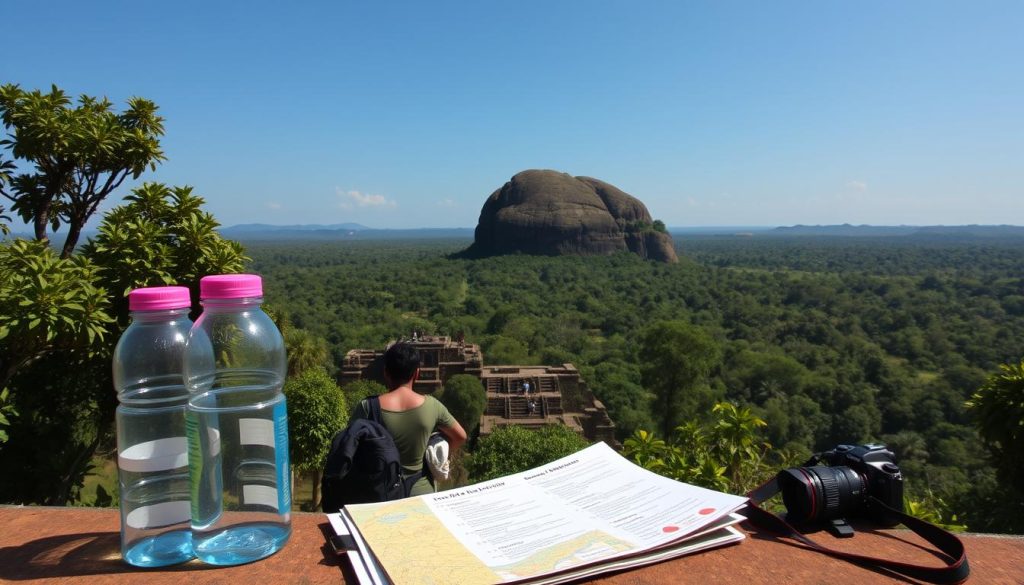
x,y
72,555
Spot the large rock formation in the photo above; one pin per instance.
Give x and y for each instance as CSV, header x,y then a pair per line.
x,y
550,213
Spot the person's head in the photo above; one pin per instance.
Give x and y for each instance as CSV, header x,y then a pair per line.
x,y
401,362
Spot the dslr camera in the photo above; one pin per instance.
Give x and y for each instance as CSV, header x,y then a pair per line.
x,y
846,486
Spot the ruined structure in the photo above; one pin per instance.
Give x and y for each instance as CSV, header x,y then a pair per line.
x,y
559,395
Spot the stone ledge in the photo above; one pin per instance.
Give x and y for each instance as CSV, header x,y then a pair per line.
x,y
81,546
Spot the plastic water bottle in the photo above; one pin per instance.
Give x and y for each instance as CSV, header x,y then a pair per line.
x,y
237,425
152,456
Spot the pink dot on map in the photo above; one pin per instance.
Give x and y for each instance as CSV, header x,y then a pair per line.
x,y
669,528
706,511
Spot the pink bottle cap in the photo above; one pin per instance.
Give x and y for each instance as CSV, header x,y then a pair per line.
x,y
231,286
159,298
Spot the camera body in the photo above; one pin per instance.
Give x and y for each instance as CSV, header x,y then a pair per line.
x,y
883,477
842,488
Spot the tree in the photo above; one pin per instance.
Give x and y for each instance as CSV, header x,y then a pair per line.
x,y
512,449
64,399
161,236
316,411
505,350
677,359
77,156
305,351
46,304
465,398
723,453
998,410
6,167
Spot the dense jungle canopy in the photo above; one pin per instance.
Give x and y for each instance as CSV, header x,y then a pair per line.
x,y
829,340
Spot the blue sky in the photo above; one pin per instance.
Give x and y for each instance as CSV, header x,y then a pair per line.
x,y
409,114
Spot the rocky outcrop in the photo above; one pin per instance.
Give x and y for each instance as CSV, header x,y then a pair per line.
x,y
550,213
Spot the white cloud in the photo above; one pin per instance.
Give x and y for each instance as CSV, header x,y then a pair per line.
x,y
350,199
449,203
857,185
273,205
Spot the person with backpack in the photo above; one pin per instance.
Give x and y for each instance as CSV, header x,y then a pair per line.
x,y
411,417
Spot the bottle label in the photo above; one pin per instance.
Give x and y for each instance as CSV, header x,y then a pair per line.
x,y
157,515
159,455
260,495
257,431
284,494
195,459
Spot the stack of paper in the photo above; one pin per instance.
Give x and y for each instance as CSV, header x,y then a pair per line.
x,y
589,513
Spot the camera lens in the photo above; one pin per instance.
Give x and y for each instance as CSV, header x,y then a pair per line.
x,y
820,493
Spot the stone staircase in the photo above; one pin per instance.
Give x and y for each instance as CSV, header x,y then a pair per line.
x,y
548,385
494,385
551,405
495,406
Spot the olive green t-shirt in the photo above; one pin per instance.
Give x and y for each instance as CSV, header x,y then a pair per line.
x,y
411,429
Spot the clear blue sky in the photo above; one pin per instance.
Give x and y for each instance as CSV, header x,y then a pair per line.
x,y
409,114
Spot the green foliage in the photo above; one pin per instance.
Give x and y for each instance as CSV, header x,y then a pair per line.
x,y
316,411
65,405
356,391
513,449
998,410
305,351
60,316
76,155
465,398
56,314
500,349
161,236
933,509
7,412
54,333
6,168
724,453
46,304
678,358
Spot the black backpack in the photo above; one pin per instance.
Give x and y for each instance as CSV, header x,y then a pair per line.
x,y
364,465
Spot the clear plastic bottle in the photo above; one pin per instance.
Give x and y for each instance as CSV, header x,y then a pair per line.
x,y
237,425
152,451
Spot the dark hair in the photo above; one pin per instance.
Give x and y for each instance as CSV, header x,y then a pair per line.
x,y
401,361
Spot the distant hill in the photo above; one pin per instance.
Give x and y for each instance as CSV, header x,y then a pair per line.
x,y
345,231
264,227
955,231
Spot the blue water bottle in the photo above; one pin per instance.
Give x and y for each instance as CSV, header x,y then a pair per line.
x,y
237,425
152,456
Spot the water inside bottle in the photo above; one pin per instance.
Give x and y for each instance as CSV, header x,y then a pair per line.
x,y
238,453
155,520
153,478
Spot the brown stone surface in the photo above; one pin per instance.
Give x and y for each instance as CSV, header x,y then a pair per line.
x,y
80,545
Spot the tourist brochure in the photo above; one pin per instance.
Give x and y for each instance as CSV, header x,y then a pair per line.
x,y
589,513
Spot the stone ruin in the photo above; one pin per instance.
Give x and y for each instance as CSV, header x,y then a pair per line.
x,y
559,395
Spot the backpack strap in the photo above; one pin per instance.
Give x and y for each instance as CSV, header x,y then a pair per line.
x,y
373,408
373,405
954,556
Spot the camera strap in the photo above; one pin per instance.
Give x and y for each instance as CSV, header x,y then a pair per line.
x,y
956,570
